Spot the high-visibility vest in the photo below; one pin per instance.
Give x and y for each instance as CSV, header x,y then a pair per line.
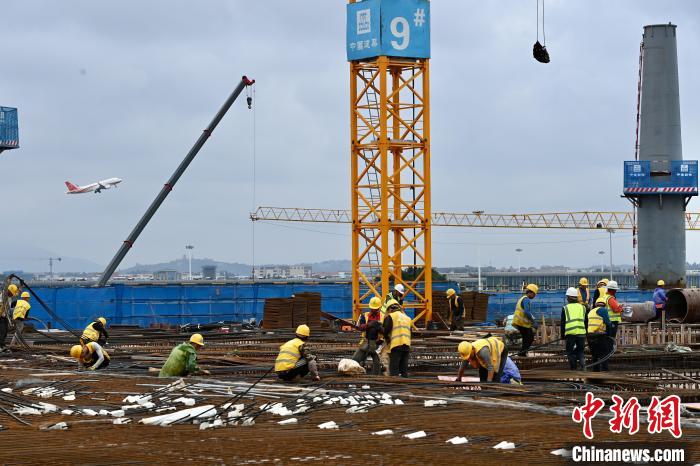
x,y
364,334
581,298
400,330
289,355
90,360
519,317
495,345
453,303
21,309
614,315
595,322
390,300
90,333
602,293
575,319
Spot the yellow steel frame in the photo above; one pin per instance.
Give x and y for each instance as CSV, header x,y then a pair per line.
x,y
390,179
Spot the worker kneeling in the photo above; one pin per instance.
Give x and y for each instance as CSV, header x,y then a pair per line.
x,y
294,361
573,326
183,359
489,355
92,356
95,331
371,324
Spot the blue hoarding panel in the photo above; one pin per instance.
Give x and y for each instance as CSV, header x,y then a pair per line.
x,y
9,132
661,177
395,28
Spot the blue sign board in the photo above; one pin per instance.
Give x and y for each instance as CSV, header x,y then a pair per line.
x,y
661,177
394,28
9,134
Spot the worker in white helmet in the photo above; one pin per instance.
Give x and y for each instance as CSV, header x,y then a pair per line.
x,y
614,308
372,335
396,294
294,361
574,321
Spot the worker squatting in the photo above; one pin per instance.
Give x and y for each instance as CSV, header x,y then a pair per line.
x,y
386,335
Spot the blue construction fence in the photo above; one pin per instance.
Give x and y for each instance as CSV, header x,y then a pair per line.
x,y
179,304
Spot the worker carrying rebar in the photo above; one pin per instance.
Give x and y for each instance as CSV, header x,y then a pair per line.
x,y
294,360
614,308
598,340
456,308
523,319
659,299
489,355
19,315
183,359
584,295
574,320
396,294
372,335
95,331
91,356
397,330
600,290
8,294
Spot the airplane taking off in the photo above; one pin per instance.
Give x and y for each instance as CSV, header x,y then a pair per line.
x,y
96,187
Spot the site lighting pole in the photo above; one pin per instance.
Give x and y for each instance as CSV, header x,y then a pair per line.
x,y
611,231
602,261
518,251
189,247
51,259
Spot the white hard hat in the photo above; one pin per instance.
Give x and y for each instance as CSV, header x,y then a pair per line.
x,y
612,285
400,288
572,292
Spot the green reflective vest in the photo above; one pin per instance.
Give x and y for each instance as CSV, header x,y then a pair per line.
x,y
575,319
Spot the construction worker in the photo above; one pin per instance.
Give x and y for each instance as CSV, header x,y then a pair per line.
x,y
599,290
183,359
371,325
92,356
489,355
574,320
396,294
659,299
19,315
584,296
523,319
614,308
5,305
598,340
294,361
95,331
511,373
397,330
456,306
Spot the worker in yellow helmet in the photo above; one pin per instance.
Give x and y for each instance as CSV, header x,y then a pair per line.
x,y
598,330
489,355
584,295
523,319
397,330
92,356
371,325
8,294
659,299
183,359
95,331
19,315
294,360
600,290
456,307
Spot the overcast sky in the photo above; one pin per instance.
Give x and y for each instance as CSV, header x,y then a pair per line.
x,y
123,88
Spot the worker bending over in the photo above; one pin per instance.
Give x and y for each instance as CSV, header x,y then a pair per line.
x,y
396,294
294,361
573,328
598,340
95,331
183,359
371,325
584,296
600,290
92,355
614,308
659,299
5,305
19,315
511,373
489,355
456,306
523,319
397,330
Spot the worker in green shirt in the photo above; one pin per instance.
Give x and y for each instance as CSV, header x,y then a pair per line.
x,y
183,359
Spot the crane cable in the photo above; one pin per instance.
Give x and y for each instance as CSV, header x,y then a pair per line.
x,y
250,94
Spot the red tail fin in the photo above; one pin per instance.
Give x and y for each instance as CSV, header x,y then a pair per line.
x,y
71,186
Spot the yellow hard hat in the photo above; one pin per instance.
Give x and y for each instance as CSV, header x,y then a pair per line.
x,y
24,295
102,320
76,351
303,330
450,292
532,287
374,303
465,349
583,281
197,339
392,302
603,281
660,283
12,289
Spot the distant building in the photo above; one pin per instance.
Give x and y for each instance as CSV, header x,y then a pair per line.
x,y
166,275
282,271
209,272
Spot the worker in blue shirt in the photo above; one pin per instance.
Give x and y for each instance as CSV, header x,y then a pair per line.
x,y
659,299
599,340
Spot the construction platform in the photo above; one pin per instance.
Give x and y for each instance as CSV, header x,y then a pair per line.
x,y
241,414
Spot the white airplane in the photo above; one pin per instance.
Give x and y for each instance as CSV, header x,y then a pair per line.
x,y
96,187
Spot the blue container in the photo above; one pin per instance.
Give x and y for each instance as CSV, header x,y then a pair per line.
x,y
661,177
9,132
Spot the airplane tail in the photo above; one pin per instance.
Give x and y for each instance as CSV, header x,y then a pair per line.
x,y
71,186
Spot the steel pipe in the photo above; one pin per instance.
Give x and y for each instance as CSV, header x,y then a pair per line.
x,y
683,304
